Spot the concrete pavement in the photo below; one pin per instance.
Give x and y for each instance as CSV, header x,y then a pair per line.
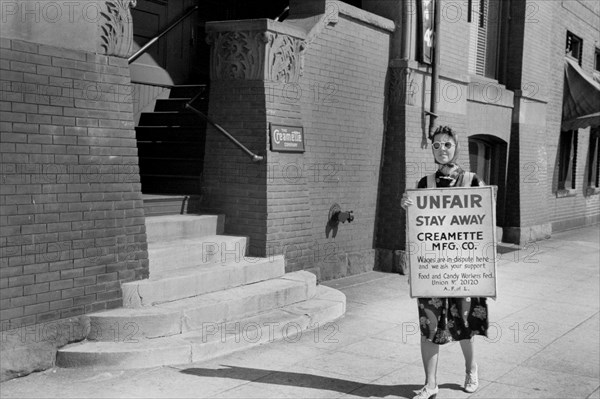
x,y
544,342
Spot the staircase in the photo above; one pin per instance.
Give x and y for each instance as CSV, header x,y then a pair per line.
x,y
204,298
171,141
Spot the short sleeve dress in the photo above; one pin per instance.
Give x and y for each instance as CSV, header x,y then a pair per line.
x,y
444,320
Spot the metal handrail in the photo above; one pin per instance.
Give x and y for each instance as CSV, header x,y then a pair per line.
x,y
145,47
279,17
255,158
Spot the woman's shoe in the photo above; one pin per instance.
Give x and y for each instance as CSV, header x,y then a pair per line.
x,y
471,381
426,393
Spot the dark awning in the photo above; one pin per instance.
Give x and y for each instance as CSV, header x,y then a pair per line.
x,y
581,98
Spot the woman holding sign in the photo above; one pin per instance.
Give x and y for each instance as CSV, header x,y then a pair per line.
x,y
444,320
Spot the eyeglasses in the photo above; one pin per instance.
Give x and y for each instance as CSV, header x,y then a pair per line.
x,y
438,144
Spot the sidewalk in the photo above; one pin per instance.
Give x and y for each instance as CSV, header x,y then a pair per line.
x,y
543,343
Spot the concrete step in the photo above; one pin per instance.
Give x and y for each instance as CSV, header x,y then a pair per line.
x,y
175,227
170,149
172,118
168,134
177,165
178,104
214,339
182,253
160,205
171,285
187,91
171,104
172,318
171,185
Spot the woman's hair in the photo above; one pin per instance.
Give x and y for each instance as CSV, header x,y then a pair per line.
x,y
444,130
448,131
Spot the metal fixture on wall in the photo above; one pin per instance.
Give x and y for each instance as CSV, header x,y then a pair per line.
x,y
336,215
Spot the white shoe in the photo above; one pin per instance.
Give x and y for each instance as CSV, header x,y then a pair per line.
x,y
426,393
471,381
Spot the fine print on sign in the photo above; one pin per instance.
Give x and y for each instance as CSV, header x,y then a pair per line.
x,y
287,138
452,242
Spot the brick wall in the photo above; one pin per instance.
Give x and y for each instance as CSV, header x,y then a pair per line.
x,y
342,105
283,202
531,130
582,208
454,49
536,73
71,221
405,158
233,184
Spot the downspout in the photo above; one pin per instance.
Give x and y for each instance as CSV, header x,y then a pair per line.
x,y
408,7
435,74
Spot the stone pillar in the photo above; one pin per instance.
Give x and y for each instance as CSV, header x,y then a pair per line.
x,y
527,216
247,59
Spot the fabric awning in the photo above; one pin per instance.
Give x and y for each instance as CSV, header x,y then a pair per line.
x,y
581,98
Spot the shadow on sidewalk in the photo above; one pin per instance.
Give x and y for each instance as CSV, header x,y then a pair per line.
x,y
312,381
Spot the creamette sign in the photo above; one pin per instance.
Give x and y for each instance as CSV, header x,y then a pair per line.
x,y
287,138
452,242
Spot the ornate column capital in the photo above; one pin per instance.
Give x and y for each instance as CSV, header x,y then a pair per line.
x,y
262,54
402,88
115,28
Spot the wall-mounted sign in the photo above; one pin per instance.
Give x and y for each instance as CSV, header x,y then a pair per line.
x,y
452,242
287,138
425,30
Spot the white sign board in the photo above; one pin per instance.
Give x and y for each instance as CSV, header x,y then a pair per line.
x,y
451,244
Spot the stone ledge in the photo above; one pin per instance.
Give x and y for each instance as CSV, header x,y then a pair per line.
x,y
33,348
525,234
563,193
331,9
263,24
363,16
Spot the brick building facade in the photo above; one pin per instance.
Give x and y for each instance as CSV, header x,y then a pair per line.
x,y
72,216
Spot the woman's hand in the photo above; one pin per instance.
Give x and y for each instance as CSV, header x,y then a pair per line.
x,y
406,201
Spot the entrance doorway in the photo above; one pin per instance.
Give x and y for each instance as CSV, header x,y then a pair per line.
x,y
487,156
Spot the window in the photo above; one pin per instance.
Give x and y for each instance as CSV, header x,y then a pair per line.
x,y
593,179
485,17
567,163
574,47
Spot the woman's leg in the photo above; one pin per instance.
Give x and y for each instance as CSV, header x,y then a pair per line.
x,y
468,350
471,377
429,354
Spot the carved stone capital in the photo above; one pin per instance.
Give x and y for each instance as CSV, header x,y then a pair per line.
x,y
284,58
236,55
250,55
116,28
402,89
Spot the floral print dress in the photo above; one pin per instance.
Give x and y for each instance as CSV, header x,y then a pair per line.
x,y
444,320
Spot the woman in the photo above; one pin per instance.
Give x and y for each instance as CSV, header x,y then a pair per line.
x,y
444,320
